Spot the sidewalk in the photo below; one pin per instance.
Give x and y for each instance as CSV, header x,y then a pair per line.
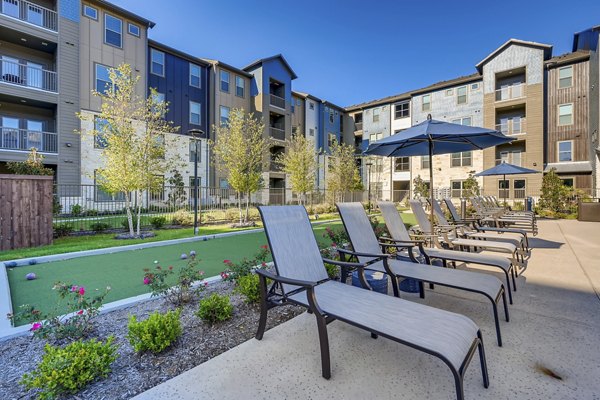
x,y
554,323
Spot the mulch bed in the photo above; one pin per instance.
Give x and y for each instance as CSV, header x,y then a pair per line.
x,y
135,373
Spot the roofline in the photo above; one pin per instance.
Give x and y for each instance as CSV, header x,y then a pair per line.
x,y
262,60
330,104
178,53
228,66
583,56
446,84
378,102
119,10
546,47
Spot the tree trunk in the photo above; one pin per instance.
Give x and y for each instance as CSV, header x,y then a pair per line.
x,y
247,206
139,211
240,206
129,215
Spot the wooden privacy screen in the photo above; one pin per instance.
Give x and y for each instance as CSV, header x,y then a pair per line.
x,y
25,211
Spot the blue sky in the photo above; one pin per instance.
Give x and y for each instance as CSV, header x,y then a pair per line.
x,y
353,51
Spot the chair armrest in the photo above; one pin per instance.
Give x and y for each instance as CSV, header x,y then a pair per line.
x,y
355,253
289,281
348,264
407,242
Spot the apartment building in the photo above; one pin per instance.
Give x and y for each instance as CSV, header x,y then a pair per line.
x,y
39,85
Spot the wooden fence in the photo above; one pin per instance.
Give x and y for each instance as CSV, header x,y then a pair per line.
x,y
25,211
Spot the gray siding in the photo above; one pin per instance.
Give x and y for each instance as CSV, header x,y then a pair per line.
x,y
445,108
512,57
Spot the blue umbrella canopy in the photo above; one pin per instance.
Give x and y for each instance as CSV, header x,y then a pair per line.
x,y
435,137
505,168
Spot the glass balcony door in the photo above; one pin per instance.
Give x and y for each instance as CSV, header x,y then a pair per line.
x,y
10,133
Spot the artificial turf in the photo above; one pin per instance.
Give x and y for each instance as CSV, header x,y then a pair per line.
x,y
123,271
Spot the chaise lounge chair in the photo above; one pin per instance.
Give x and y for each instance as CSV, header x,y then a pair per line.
x,y
301,279
367,248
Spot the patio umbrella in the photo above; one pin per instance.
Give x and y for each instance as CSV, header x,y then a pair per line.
x,y
504,169
436,137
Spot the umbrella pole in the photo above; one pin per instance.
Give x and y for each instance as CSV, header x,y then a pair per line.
x,y
431,184
505,189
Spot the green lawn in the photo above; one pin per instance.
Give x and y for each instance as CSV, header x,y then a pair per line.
x,y
123,271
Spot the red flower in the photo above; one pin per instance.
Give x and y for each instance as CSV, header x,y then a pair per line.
x,y
170,268
227,261
79,312
205,283
264,264
264,246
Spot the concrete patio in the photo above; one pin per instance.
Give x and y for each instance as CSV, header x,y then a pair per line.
x,y
555,323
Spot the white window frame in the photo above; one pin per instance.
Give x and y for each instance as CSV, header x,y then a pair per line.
x,y
376,115
239,79
221,72
452,189
403,103
558,151
86,8
569,67
425,160
152,62
221,108
571,114
192,65
400,161
458,96
428,103
461,157
106,18
110,84
139,30
199,113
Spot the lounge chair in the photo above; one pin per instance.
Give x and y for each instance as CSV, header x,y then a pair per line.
x,y
300,278
475,222
366,248
457,243
399,234
500,218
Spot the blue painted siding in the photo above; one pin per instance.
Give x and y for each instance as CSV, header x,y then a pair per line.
x,y
69,9
175,85
274,69
326,126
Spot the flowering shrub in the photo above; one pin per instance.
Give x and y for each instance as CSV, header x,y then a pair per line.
x,y
156,333
66,370
215,308
83,309
234,271
181,291
338,237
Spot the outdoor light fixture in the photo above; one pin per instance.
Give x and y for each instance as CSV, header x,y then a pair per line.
x,y
68,144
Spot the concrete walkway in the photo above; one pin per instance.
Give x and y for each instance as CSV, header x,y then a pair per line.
x,y
555,323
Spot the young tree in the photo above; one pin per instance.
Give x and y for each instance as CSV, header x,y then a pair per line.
x,y
177,194
300,164
420,187
134,134
555,194
343,173
34,165
240,153
470,187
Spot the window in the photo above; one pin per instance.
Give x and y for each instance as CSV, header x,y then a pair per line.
x,y
102,195
193,186
133,29
90,12
159,146
462,121
223,184
157,66
224,115
298,102
457,188
157,192
565,77
240,86
519,187
330,139
568,182
503,188
462,159
426,102
511,157
193,151
224,81
195,113
565,151
424,162
311,132
194,75
402,164
461,95
100,127
331,116
311,105
449,92
565,114
475,86
35,75
376,115
113,29
158,98
402,110
103,82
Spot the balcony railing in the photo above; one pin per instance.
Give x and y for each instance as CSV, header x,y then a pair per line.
x,y
274,166
511,92
277,101
513,159
277,133
512,127
358,126
30,12
28,75
24,140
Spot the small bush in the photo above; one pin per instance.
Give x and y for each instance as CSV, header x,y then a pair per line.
x,y
156,333
67,370
63,229
246,265
125,224
90,213
56,206
160,283
232,214
215,308
158,222
183,218
99,226
76,210
249,287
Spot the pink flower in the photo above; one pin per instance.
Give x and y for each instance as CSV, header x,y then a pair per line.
x,y
36,326
226,261
74,288
81,291
205,284
79,312
264,264
147,280
264,246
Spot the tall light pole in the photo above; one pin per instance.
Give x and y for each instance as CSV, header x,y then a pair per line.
x,y
368,164
196,134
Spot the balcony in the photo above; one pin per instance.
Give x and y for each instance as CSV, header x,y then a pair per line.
x,y
511,92
24,140
512,127
274,166
31,13
358,126
277,133
32,76
277,101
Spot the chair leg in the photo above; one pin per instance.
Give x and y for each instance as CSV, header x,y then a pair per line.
x,y
484,371
264,308
512,272
324,344
508,287
497,322
395,287
505,306
421,290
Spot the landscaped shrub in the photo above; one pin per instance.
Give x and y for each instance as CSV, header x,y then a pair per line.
x,y
67,370
90,213
338,237
158,222
76,210
232,214
83,309
125,224
236,270
99,226
249,287
56,206
183,218
215,308
63,229
156,333
182,291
